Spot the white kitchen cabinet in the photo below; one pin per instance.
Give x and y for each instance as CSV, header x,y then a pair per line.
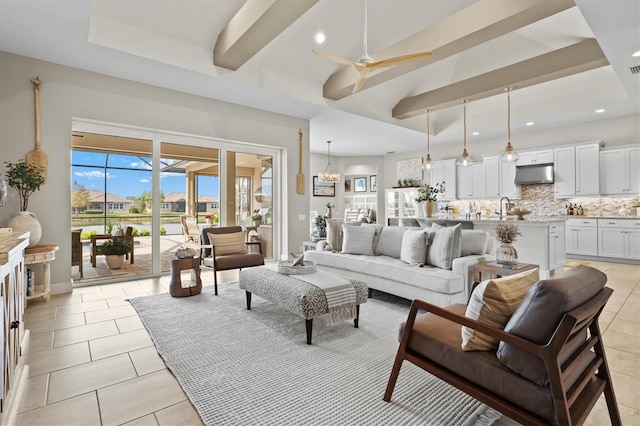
x,y
564,171
492,176
556,253
400,203
619,238
471,181
581,237
444,171
619,171
587,169
535,157
508,187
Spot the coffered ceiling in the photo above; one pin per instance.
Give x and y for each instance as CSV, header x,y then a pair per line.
x,y
563,61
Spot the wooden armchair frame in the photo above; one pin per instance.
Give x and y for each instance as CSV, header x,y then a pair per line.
x,y
571,406
128,236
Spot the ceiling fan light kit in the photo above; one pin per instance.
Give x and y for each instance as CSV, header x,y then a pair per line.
x,y
465,159
509,153
366,63
330,175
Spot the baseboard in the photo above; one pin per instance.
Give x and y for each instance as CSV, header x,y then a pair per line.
x,y
61,288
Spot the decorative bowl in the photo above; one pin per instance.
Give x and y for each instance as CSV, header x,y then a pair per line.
x,y
286,267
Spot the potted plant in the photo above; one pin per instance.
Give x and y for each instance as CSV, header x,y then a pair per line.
x,y
208,219
329,206
321,224
428,195
507,232
257,218
26,179
114,251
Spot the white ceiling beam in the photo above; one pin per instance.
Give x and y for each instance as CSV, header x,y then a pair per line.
x,y
569,60
253,27
472,26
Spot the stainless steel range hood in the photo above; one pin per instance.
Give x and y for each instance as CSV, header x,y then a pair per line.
x,y
536,173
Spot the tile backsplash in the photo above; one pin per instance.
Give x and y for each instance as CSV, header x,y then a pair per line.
x,y
540,200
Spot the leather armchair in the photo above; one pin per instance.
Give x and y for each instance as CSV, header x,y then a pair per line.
x,y
225,259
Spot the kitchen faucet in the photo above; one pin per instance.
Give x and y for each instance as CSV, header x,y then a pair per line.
x,y
508,204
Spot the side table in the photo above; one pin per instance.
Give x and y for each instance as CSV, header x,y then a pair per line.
x,y
494,270
175,285
40,254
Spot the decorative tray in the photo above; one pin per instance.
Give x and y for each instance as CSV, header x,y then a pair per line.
x,y
520,213
287,267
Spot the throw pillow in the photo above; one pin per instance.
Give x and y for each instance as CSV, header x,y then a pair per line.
x,y
334,234
390,241
473,241
378,229
357,239
351,215
225,244
414,247
444,243
539,313
492,303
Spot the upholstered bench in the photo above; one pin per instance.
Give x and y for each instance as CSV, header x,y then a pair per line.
x,y
339,297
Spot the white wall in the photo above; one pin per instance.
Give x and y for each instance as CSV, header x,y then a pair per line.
x,y
68,92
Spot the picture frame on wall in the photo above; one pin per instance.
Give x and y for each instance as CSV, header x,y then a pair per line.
x,y
347,185
373,183
360,184
323,189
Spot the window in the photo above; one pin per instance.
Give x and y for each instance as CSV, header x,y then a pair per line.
x,y
165,206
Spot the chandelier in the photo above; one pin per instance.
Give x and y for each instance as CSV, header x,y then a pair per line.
x,y
330,175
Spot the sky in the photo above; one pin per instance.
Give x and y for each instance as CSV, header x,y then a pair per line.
x,y
129,183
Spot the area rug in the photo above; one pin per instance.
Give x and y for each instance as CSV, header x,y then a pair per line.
x,y
242,367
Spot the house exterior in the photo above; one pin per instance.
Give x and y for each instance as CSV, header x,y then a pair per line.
x,y
176,202
114,203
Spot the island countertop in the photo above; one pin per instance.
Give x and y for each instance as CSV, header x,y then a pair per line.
x,y
10,243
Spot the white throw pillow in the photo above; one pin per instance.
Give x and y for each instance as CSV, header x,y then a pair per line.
x,y
414,247
493,302
357,239
390,241
225,244
444,245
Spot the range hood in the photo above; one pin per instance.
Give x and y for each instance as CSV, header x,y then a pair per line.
x,y
536,173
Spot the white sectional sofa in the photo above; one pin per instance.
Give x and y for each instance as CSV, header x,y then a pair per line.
x,y
383,268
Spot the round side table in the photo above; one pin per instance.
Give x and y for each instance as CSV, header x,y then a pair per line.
x,y
175,285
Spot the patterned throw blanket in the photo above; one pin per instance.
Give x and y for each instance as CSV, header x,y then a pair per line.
x,y
340,293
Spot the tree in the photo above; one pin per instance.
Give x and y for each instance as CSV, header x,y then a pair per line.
x,y
143,202
79,197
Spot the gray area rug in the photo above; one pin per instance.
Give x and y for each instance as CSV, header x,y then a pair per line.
x,y
242,367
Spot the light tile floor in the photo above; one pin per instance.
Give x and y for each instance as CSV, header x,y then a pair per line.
x,y
92,362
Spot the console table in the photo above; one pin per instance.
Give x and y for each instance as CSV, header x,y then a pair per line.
x,y
41,254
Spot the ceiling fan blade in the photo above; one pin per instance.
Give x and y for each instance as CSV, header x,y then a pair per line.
x,y
337,58
398,60
361,79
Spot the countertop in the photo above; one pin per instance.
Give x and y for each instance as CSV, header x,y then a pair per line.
x,y
11,242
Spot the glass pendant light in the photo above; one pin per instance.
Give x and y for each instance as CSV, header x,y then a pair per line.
x,y
427,161
465,159
330,175
509,153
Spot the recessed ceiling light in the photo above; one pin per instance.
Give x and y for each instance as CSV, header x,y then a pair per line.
x,y
636,54
601,110
529,123
320,38
475,133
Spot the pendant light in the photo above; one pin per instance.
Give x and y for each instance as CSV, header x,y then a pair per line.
x,y
465,159
509,153
330,175
427,161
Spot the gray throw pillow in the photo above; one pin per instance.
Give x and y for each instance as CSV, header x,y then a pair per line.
x,y
539,313
414,247
444,245
390,241
473,241
357,239
378,229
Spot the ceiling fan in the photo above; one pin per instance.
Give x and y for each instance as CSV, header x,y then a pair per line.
x,y
366,63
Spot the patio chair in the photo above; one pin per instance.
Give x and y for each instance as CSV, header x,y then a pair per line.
x,y
76,250
227,250
127,234
190,228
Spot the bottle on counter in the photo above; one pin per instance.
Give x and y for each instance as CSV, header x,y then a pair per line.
x,y
580,210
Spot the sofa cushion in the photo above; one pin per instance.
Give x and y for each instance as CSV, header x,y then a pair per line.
x,y
541,310
440,340
492,303
390,241
351,215
444,245
378,229
473,241
334,233
414,247
225,244
357,239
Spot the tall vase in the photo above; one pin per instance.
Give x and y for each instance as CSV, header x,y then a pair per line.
x,y
506,254
328,213
431,206
27,221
